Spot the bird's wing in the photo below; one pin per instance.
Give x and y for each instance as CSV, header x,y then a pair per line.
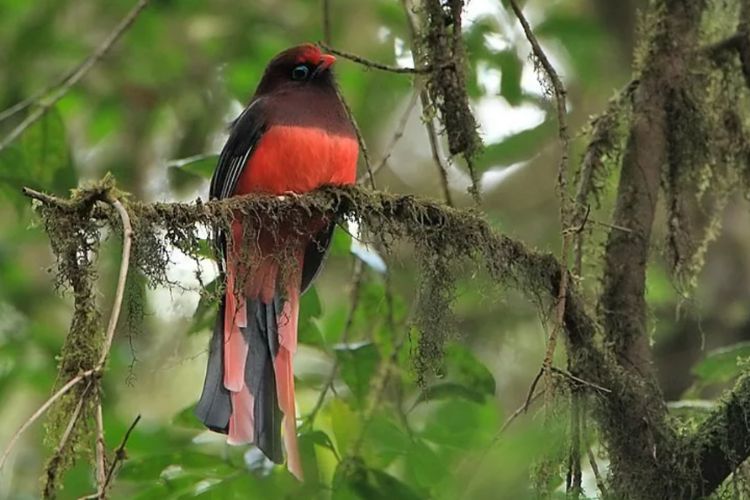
x,y
244,136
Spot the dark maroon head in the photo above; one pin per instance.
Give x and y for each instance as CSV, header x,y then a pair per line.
x,y
299,67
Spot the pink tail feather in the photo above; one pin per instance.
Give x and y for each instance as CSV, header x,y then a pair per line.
x,y
261,285
284,369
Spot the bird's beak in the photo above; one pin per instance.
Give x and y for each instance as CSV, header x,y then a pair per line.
x,y
326,61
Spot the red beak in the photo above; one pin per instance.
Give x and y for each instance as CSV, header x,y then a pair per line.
x,y
326,61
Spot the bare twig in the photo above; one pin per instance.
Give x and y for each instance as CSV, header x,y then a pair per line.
x,y
435,148
562,172
581,381
75,76
373,64
327,21
360,138
397,135
429,122
597,475
574,475
127,238
101,457
41,410
118,458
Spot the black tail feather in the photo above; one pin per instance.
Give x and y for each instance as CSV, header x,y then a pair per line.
x,y
215,406
261,335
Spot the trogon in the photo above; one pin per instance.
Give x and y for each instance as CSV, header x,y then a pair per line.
x,y
293,137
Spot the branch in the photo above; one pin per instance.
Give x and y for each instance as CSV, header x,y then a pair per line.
x,y
429,121
120,455
93,374
73,77
603,137
739,43
425,223
623,303
101,457
722,441
397,135
42,409
327,21
566,218
127,239
373,64
360,137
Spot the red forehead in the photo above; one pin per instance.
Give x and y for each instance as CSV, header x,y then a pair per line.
x,y
307,53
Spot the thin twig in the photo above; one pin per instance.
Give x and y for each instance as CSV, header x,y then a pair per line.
x,y
327,21
41,410
76,76
597,475
429,122
101,457
372,64
581,381
519,411
119,457
435,148
56,456
562,172
397,135
127,238
360,138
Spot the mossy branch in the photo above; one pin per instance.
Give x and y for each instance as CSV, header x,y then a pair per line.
x,y
442,234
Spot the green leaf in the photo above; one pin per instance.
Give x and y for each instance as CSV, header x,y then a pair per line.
x,y
357,365
200,165
462,366
150,467
385,441
724,364
460,424
354,480
320,438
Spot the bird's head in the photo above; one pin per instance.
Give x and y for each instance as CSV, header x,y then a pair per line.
x,y
300,66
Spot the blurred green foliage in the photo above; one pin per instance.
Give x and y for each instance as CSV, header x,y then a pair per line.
x,y
154,111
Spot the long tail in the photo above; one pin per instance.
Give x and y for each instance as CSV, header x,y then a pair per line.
x,y
249,381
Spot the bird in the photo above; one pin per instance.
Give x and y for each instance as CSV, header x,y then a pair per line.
x,y
294,136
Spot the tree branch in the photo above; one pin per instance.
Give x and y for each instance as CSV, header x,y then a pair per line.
x,y
622,303
373,64
722,441
562,180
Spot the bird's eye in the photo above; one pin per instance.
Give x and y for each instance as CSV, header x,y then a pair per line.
x,y
300,72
